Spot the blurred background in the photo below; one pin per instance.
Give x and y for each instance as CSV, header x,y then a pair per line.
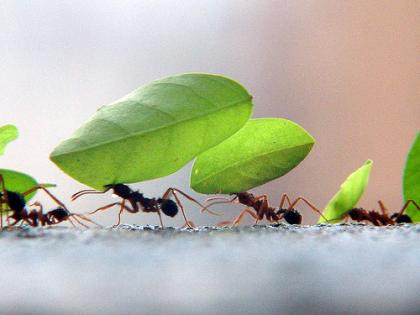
x,y
348,72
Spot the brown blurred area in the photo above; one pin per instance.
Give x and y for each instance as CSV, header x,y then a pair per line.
x,y
347,71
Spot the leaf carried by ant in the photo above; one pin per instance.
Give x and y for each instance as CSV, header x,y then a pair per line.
x,y
8,133
155,130
411,179
262,150
349,194
18,182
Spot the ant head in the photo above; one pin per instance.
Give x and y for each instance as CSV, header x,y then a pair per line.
x,y
120,190
59,213
293,217
168,207
403,218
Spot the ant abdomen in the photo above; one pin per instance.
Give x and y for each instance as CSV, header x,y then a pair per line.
x,y
59,214
403,218
292,216
168,207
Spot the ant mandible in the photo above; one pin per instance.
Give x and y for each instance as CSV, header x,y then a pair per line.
x,y
17,204
139,202
262,209
382,218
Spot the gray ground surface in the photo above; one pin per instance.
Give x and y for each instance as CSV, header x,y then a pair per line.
x,y
263,269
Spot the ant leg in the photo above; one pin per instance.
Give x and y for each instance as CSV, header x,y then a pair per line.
x,y
87,192
239,218
384,209
190,223
72,223
75,219
82,217
262,208
119,213
48,193
173,191
310,205
160,219
284,198
242,214
109,206
407,204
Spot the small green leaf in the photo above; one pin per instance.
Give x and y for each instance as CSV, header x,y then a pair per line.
x,y
348,195
411,179
155,130
8,133
262,150
18,182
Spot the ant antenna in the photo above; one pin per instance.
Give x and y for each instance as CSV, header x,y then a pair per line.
x,y
88,192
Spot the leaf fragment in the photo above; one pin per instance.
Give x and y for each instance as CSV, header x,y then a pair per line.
x,y
155,130
349,194
8,133
18,182
411,179
262,150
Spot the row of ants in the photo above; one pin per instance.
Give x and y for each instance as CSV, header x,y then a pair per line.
x,y
133,202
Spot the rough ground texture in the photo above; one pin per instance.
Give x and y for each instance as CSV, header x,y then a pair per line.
x,y
261,269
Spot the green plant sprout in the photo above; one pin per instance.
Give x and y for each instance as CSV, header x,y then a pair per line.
x,y
411,179
347,197
14,180
155,130
8,133
264,149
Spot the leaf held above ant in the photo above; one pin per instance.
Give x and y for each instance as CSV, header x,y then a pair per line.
x,y
411,179
262,150
349,194
155,130
8,133
18,182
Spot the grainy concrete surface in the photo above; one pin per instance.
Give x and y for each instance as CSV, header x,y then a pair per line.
x,y
341,269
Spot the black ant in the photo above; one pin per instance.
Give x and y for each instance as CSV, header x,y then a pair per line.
x,y
262,208
17,205
382,218
139,202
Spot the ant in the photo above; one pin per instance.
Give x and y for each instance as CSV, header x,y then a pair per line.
x,y
17,204
139,202
383,218
262,208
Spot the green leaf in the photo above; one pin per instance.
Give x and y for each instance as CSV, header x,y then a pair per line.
x,y
262,150
411,179
348,195
155,130
8,133
18,182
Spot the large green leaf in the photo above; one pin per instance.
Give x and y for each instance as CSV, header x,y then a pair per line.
x,y
8,133
18,182
155,130
349,194
411,179
262,150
